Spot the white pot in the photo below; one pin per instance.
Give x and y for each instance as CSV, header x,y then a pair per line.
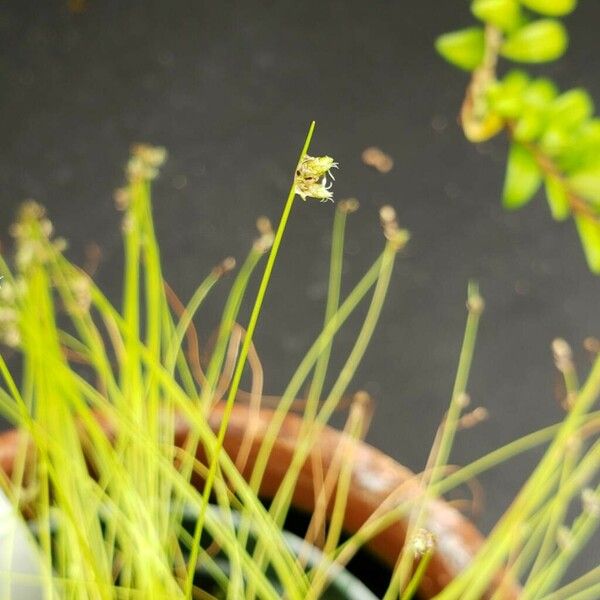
x,y
20,569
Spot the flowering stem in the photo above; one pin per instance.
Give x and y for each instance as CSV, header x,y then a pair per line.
x,y
530,498
415,581
443,442
239,368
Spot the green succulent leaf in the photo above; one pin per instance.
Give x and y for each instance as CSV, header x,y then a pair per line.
x,y
586,182
551,8
589,233
572,108
463,49
523,177
506,96
557,196
540,93
505,14
529,126
540,41
555,140
590,132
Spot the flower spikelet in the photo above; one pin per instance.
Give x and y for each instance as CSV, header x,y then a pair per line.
x,y
311,178
33,234
145,162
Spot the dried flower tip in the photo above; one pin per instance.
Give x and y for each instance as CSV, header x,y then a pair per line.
x,y
360,411
153,156
60,244
226,265
46,228
592,344
591,502
263,224
422,542
136,170
128,223
82,293
311,178
362,398
564,538
475,304
33,232
31,211
387,214
563,356
476,416
10,337
9,327
7,316
568,401
229,263
378,159
463,400
31,222
144,162
93,256
7,292
265,241
349,205
398,237
122,198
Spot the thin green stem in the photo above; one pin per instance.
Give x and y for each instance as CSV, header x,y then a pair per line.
x,y
282,499
333,298
586,583
239,368
476,578
415,580
444,440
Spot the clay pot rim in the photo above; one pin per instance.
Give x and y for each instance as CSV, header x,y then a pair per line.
x,y
375,475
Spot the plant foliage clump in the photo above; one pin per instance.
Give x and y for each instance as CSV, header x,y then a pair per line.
x,y
554,135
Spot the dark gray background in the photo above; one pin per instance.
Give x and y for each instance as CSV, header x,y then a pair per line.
x,y
229,89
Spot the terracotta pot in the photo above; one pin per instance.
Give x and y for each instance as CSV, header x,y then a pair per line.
x,y
375,476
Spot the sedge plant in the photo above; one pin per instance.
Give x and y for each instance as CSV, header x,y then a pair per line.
x,y
98,472
109,493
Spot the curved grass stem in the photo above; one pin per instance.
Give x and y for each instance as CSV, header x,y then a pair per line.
x,y
239,369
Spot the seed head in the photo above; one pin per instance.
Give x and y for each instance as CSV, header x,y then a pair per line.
x,y
398,237
122,197
144,162
9,327
564,538
422,542
228,264
463,400
563,356
265,241
475,302
378,159
349,205
591,502
33,232
473,418
81,288
592,345
311,178
10,292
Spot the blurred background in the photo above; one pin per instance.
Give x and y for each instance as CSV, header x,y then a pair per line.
x,y
229,89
